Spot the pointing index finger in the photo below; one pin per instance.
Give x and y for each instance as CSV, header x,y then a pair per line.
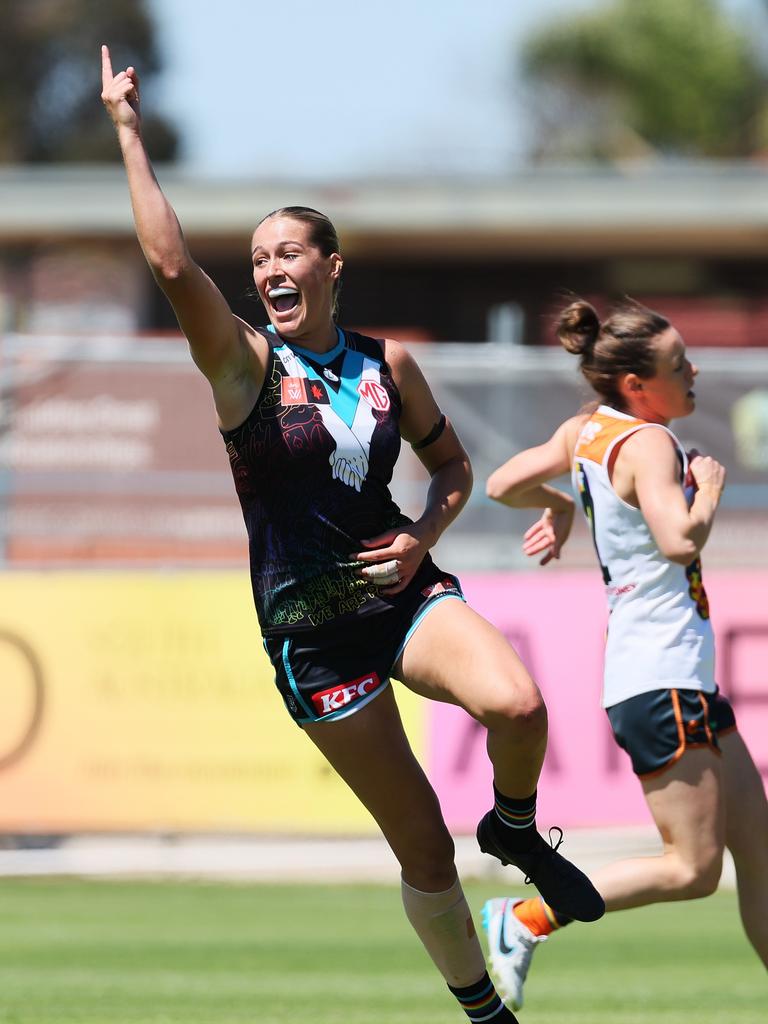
x,y
106,67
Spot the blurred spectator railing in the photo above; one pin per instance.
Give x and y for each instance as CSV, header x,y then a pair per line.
x,y
109,452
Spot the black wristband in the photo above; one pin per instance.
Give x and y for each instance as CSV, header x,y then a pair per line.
x,y
433,435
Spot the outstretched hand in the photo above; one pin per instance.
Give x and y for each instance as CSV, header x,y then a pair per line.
x,y
120,93
548,534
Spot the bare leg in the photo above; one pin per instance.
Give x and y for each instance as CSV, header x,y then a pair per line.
x,y
746,836
687,804
699,804
456,656
370,751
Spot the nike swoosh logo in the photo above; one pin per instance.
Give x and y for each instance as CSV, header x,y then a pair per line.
x,y
504,949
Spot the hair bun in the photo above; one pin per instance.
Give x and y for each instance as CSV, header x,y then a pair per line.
x,y
578,327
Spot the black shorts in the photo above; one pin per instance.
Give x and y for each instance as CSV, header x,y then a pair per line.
x,y
657,728
332,671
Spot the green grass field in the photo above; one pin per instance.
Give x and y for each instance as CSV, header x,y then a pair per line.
x,y
173,952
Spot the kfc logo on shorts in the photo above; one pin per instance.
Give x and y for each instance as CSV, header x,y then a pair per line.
x,y
338,697
374,394
443,587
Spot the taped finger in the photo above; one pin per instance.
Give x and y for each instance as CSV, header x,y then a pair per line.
x,y
383,574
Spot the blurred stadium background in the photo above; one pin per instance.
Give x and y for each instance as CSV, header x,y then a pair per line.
x,y
140,729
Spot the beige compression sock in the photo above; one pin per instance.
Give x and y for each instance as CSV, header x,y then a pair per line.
x,y
443,922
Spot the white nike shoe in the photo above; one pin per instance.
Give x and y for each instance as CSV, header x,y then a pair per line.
x,y
511,946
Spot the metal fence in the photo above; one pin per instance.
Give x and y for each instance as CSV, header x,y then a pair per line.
x,y
109,453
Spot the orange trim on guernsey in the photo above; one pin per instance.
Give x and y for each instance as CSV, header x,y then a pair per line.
x,y
598,433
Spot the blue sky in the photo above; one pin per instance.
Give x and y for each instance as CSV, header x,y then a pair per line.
x,y
328,91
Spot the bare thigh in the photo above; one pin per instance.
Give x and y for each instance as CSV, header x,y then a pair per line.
x,y
687,803
371,753
746,806
746,835
458,657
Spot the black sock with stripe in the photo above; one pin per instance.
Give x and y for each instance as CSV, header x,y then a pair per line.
x,y
514,821
481,1002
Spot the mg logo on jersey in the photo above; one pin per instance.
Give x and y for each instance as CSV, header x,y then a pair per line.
x,y
374,394
338,697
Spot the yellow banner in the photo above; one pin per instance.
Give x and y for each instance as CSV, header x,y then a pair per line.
x,y
135,701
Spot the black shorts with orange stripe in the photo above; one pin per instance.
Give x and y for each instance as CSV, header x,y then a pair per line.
x,y
656,728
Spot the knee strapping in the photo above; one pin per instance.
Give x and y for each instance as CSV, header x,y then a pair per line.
x,y
443,922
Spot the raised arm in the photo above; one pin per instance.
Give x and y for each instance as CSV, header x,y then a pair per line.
x,y
227,351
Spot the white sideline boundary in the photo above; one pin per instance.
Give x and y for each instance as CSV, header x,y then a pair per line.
x,y
295,859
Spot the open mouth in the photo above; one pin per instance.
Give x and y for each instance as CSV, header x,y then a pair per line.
x,y
283,299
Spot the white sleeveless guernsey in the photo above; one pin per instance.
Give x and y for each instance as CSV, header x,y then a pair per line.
x,y
659,633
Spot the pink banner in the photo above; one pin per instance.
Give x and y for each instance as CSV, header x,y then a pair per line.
x,y
556,622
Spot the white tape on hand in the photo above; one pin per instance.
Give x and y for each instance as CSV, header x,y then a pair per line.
x,y
383,574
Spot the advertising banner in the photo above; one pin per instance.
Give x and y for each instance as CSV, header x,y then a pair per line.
x,y
144,701
556,621
138,701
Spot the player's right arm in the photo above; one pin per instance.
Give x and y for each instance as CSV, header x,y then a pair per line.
x,y
652,462
522,482
230,354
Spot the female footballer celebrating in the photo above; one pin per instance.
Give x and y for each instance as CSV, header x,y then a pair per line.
x,y
345,589
650,512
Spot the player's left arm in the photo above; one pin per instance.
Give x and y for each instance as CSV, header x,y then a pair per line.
x,y
440,451
435,442
680,532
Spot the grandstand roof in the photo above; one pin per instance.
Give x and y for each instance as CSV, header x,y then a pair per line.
x,y
666,208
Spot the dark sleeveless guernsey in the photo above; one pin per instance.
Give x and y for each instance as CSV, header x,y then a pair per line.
x,y
312,465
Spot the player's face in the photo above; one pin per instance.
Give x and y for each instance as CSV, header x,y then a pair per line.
x,y
669,393
295,281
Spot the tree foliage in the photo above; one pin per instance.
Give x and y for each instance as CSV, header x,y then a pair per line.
x,y
50,79
678,77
